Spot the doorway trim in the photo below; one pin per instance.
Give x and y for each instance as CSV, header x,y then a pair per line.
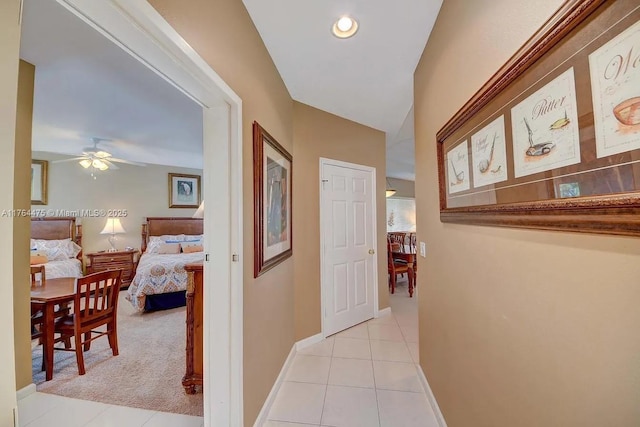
x,y
140,30
323,162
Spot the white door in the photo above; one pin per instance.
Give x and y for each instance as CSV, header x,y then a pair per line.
x,y
347,216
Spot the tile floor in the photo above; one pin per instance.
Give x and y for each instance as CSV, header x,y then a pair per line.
x,y
50,410
364,376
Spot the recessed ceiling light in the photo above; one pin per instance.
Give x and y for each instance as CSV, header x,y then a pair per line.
x,y
344,27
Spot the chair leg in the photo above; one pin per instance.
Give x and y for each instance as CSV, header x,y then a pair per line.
x,y
79,355
393,283
113,338
87,341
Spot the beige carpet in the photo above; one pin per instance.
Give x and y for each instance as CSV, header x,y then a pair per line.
x,y
146,374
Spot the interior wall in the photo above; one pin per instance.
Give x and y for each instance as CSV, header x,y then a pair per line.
x,y
22,224
321,134
141,191
9,54
517,327
223,33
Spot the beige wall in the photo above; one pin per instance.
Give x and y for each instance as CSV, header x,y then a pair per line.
x,y
223,34
403,187
22,200
320,134
142,191
9,50
526,328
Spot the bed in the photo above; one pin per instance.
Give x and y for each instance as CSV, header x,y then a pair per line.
x,y
59,239
160,280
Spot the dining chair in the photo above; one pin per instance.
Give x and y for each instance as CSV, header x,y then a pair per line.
x,y
37,317
95,305
395,267
398,237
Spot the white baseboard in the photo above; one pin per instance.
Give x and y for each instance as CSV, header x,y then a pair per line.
x,y
314,339
264,412
431,398
26,391
383,312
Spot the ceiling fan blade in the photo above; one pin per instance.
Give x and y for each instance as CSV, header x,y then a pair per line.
x,y
129,162
110,164
69,160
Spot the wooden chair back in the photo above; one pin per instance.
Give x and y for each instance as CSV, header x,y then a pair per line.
x,y
96,299
398,237
38,275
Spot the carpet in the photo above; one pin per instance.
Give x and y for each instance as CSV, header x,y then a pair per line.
x,y
146,374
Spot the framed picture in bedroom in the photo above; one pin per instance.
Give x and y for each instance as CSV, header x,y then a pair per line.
x,y
184,190
272,168
39,170
552,140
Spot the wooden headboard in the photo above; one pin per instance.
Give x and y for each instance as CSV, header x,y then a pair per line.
x,y
57,228
158,226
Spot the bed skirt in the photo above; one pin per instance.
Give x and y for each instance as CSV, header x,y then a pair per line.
x,y
166,301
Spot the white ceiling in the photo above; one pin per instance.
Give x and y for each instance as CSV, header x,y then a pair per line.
x,y
88,87
367,78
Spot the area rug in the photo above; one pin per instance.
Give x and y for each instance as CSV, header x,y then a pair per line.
x,y
146,374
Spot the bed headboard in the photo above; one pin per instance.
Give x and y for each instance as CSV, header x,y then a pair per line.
x,y
57,228
158,226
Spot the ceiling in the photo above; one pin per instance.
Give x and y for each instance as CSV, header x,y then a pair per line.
x,y
88,87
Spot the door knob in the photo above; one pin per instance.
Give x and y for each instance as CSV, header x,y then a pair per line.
x,y
371,251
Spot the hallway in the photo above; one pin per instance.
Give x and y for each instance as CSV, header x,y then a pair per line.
x,y
364,376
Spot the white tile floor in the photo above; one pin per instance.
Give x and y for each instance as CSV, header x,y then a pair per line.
x,y
364,376
50,410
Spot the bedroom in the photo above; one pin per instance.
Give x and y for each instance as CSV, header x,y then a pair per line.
x,y
71,106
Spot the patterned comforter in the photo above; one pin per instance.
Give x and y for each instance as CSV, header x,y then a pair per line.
x,y
159,274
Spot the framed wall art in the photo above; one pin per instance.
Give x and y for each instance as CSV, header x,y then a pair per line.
x,y
272,187
552,140
39,172
184,190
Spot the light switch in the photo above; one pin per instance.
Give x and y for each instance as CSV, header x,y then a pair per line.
x,y
423,249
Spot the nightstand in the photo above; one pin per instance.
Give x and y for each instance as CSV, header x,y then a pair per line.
x,y
126,260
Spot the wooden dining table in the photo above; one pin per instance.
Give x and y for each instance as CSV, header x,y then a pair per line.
x,y
53,292
408,254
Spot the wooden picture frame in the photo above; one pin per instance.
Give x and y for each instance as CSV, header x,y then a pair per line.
x,y
272,190
568,151
39,181
184,190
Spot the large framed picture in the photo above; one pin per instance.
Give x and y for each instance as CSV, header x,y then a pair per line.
x,y
552,140
39,171
273,242
184,191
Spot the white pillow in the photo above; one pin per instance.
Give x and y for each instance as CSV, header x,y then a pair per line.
x,y
56,250
155,242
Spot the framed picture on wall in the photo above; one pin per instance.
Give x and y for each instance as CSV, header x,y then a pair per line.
x,y
184,191
272,201
39,182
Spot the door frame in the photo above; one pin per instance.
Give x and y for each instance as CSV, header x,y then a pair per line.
x,y
331,162
141,31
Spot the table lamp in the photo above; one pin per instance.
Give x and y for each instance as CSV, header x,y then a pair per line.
x,y
113,227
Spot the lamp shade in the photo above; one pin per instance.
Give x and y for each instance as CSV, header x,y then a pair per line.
x,y
113,226
200,212
390,191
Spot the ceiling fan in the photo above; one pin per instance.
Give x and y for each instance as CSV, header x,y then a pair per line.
x,y
97,159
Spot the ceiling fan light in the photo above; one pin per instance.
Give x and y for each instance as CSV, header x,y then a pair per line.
x,y
100,165
102,154
85,163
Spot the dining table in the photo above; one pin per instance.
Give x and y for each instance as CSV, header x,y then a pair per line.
x,y
407,253
54,292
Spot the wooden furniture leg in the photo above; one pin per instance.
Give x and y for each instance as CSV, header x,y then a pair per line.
x,y
47,342
412,276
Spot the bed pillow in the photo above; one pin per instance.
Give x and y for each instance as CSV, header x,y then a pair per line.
x,y
156,241
56,250
192,237
192,249
169,248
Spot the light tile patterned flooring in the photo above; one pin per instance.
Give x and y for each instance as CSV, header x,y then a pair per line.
x,y
364,376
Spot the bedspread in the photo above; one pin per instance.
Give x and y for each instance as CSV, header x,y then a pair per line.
x,y
158,274
64,268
